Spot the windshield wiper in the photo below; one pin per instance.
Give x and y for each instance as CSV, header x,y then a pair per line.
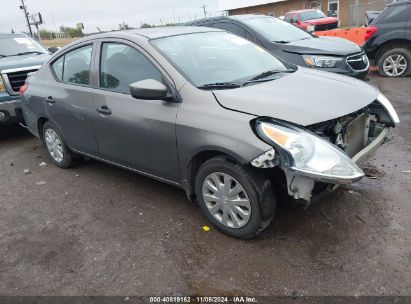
x,y
269,73
220,85
282,41
1,55
28,52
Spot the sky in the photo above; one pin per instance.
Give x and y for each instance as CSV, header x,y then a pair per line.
x,y
105,14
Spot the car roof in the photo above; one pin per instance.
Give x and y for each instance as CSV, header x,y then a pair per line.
x,y
400,2
157,32
225,18
302,11
146,33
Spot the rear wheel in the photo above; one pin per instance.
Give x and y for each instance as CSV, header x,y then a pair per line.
x,y
236,199
56,148
395,63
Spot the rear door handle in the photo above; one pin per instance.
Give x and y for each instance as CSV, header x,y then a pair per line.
x,y
50,99
104,110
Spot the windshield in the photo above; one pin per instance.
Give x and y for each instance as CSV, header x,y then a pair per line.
x,y
316,14
14,45
277,30
216,57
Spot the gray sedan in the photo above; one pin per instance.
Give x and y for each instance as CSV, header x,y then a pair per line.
x,y
209,112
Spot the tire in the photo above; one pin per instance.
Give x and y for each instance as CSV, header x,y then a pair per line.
x,y
68,158
384,62
257,189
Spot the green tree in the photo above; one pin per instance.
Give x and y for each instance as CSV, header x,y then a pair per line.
x,y
72,32
45,34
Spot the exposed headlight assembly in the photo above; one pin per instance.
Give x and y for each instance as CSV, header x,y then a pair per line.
x,y
306,154
322,61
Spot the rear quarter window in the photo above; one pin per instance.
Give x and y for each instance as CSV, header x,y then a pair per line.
x,y
57,68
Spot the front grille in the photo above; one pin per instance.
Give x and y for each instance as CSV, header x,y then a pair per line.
x,y
325,27
17,79
358,62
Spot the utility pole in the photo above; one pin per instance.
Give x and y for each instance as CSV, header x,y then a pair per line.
x,y
26,14
204,10
37,20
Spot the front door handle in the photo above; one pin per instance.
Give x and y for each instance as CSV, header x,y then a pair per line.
x,y
104,110
50,99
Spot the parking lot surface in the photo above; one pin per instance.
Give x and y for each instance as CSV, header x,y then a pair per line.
x,y
99,230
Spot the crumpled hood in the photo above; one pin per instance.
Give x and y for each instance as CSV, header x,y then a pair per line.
x,y
14,62
304,97
322,46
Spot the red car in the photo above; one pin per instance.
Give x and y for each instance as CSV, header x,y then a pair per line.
x,y
312,20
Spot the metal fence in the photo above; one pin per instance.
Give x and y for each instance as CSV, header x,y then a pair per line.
x,y
359,7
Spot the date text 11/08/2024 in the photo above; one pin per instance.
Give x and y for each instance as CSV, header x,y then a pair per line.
x,y
199,299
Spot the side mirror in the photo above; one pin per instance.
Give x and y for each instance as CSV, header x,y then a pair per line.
x,y
53,49
149,89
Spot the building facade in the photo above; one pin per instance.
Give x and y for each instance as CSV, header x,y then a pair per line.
x,y
350,12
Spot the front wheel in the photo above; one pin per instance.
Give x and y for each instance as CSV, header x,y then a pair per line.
x,y
395,63
56,148
236,199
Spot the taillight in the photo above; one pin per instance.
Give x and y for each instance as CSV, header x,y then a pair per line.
x,y
23,88
371,30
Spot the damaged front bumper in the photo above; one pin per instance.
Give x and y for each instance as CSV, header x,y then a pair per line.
x,y
302,188
308,189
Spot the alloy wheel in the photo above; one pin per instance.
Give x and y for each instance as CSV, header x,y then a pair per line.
x,y
226,200
54,145
395,65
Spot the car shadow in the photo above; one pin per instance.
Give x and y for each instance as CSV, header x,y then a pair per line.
x,y
13,133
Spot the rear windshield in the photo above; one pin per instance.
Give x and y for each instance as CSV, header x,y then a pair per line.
x,y
393,14
19,45
309,15
277,30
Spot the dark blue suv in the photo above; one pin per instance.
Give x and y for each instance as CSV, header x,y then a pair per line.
x,y
19,56
389,46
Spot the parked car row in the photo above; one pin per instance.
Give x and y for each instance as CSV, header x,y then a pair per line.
x,y
388,45
210,112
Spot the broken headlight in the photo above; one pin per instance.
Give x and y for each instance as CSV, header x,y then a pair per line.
x,y
307,154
